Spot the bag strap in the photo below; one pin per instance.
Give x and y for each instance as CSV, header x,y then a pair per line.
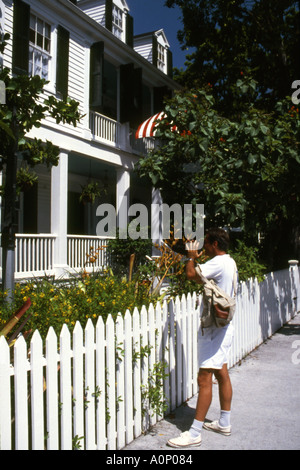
x,y
206,281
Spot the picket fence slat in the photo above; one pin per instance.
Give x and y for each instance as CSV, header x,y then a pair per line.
x,y
111,381
120,383
21,392
95,390
137,402
100,385
37,385
65,389
89,391
128,377
52,358
5,394
172,357
78,381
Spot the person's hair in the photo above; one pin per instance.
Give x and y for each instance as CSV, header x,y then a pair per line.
x,y
218,235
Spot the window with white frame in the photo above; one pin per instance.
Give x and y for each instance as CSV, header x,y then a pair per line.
x,y
117,22
39,47
160,57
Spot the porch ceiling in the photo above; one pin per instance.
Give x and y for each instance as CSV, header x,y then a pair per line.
x,y
90,167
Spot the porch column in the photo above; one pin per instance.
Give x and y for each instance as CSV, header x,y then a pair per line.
x,y
59,213
123,188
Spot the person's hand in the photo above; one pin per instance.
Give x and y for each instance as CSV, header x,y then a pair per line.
x,y
192,248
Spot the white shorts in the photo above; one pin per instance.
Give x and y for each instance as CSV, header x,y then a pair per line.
x,y
214,346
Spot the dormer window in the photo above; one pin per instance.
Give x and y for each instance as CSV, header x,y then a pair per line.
x,y
155,48
113,15
117,22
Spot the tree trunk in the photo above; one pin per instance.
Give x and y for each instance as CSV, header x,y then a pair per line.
x,y
9,217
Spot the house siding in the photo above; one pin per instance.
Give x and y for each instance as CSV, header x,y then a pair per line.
x,y
96,11
144,49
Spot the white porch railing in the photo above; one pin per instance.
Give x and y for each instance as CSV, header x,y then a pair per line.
x,y
34,254
104,128
94,391
87,252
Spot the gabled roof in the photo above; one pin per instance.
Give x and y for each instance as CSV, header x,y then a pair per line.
x,y
123,3
159,32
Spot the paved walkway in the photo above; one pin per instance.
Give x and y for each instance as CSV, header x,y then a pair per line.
x,y
265,408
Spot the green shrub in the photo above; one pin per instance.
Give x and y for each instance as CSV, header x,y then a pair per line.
x,y
120,250
248,263
90,296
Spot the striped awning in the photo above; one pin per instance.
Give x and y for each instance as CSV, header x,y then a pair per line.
x,y
148,127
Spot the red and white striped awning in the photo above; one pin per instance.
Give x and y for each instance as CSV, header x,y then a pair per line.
x,y
148,127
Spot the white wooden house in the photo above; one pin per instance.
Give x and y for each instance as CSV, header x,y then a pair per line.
x,y
86,49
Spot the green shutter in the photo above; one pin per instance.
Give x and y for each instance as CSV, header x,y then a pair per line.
x,y
62,61
129,30
170,63
154,51
108,14
96,76
20,52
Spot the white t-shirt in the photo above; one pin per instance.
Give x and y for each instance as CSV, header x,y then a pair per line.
x,y
221,269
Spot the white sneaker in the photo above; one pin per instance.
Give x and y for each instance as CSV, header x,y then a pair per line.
x,y
214,426
185,440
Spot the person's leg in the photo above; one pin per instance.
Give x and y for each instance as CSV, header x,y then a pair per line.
x,y
204,400
223,425
193,436
204,394
225,387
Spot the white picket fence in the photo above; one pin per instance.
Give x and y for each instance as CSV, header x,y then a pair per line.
x,y
94,388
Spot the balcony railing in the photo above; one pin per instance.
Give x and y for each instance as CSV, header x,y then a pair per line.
x,y
142,146
111,132
104,128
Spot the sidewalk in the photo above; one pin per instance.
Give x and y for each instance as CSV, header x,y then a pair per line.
x,y
265,408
